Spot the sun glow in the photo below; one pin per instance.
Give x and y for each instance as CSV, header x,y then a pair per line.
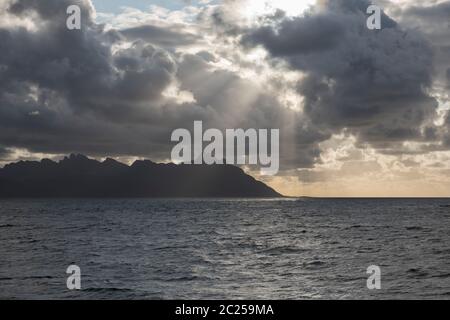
x,y
254,8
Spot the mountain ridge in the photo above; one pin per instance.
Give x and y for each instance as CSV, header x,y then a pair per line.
x,y
77,176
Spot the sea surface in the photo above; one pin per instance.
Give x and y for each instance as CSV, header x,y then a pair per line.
x,y
225,249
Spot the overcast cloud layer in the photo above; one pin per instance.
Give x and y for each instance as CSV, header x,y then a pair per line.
x,y
343,96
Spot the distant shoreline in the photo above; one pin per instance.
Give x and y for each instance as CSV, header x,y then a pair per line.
x,y
78,176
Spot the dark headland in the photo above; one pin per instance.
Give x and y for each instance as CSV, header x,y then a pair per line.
x,y
77,176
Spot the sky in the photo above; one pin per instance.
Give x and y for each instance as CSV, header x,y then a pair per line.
x,y
116,6
361,113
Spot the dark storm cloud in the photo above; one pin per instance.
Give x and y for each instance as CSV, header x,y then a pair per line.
x,y
434,21
439,12
49,11
311,34
79,64
65,91
82,91
371,82
85,91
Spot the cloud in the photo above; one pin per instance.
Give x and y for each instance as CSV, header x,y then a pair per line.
x,y
371,83
298,36
348,170
120,89
160,36
432,20
86,91
227,100
4,153
103,91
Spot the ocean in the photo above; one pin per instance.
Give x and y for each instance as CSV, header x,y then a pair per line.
x,y
225,248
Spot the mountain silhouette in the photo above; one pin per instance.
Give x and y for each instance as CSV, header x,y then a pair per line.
x,y
78,176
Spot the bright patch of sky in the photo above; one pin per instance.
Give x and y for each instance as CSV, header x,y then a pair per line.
x,y
116,6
